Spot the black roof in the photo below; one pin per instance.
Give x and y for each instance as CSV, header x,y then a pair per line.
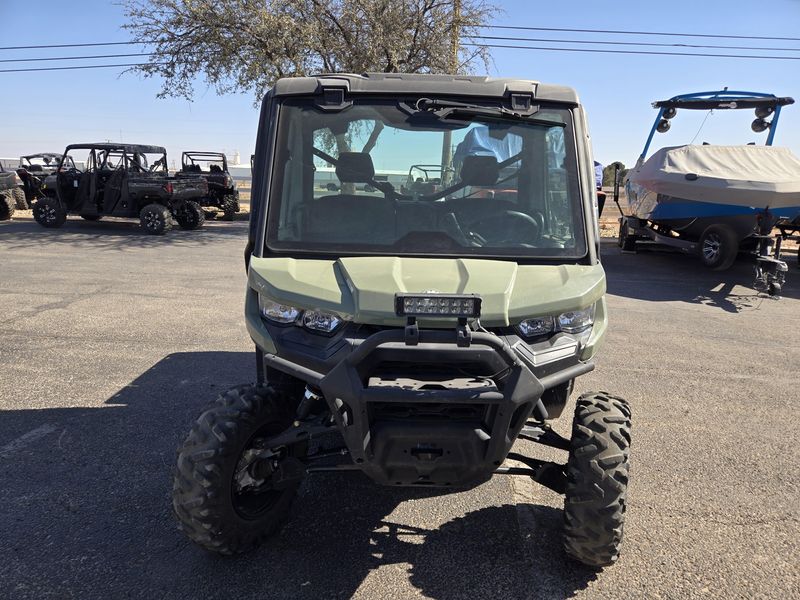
x,y
723,103
419,83
111,146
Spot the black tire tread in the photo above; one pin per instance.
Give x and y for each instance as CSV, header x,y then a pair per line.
x,y
730,247
61,215
201,489
597,479
7,206
199,216
166,216
19,198
229,207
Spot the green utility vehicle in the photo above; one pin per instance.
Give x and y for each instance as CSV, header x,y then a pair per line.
x,y
427,330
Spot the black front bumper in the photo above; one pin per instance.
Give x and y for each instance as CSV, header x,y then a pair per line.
x,y
404,425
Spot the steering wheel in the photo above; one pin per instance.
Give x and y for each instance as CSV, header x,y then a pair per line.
x,y
508,228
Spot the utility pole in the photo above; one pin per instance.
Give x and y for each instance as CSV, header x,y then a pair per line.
x,y
447,138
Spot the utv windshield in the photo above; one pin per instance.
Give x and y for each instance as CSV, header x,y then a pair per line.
x,y
384,177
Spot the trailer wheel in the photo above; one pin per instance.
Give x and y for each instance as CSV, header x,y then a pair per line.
x,y
155,219
228,493
719,246
597,479
623,229
6,206
625,240
48,212
190,215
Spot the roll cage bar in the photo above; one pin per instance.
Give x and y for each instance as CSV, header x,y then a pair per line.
x,y
719,100
204,157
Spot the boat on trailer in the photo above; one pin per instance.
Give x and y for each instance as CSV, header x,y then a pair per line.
x,y
713,200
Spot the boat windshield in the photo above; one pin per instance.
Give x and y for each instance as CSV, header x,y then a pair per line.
x,y
385,178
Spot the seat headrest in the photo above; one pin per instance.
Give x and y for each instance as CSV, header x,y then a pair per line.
x,y
479,170
355,167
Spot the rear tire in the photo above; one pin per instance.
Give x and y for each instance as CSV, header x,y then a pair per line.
x,y
19,198
6,206
719,246
49,213
190,215
155,219
213,508
597,479
229,206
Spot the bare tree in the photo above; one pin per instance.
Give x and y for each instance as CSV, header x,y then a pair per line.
x,y
245,45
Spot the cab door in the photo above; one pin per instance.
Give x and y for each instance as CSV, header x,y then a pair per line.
x,y
86,201
115,184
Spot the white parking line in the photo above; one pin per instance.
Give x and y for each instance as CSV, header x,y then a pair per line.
x,y
26,439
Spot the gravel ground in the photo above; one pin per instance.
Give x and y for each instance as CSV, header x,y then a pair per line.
x,y
111,341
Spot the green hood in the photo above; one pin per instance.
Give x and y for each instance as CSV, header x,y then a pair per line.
x,y
363,288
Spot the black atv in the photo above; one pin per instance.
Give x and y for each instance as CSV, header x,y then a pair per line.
x,y
34,169
11,195
120,180
213,167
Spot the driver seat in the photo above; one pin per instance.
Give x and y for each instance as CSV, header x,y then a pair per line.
x,y
341,218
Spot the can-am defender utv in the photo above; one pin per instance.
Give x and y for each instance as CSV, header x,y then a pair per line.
x,y
120,180
213,167
430,330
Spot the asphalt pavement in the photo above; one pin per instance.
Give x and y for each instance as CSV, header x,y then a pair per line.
x,y
112,341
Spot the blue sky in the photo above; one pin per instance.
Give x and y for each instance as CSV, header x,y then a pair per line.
x,y
44,111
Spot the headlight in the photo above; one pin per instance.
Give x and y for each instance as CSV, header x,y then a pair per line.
x,y
576,321
279,313
313,320
537,326
320,321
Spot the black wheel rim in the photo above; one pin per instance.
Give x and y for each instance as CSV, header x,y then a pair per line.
x,y
712,246
47,214
152,220
253,501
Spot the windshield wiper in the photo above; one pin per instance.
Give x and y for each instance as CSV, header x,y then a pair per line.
x,y
451,109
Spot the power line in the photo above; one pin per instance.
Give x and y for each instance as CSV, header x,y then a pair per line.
x,y
647,52
70,45
621,32
604,42
8,60
513,27
78,67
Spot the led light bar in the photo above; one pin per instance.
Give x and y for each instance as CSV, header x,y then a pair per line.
x,y
437,305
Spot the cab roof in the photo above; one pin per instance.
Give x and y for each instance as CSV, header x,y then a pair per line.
x,y
412,84
110,146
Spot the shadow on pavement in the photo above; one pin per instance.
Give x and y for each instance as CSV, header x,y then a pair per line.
x,y
113,234
668,276
85,513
